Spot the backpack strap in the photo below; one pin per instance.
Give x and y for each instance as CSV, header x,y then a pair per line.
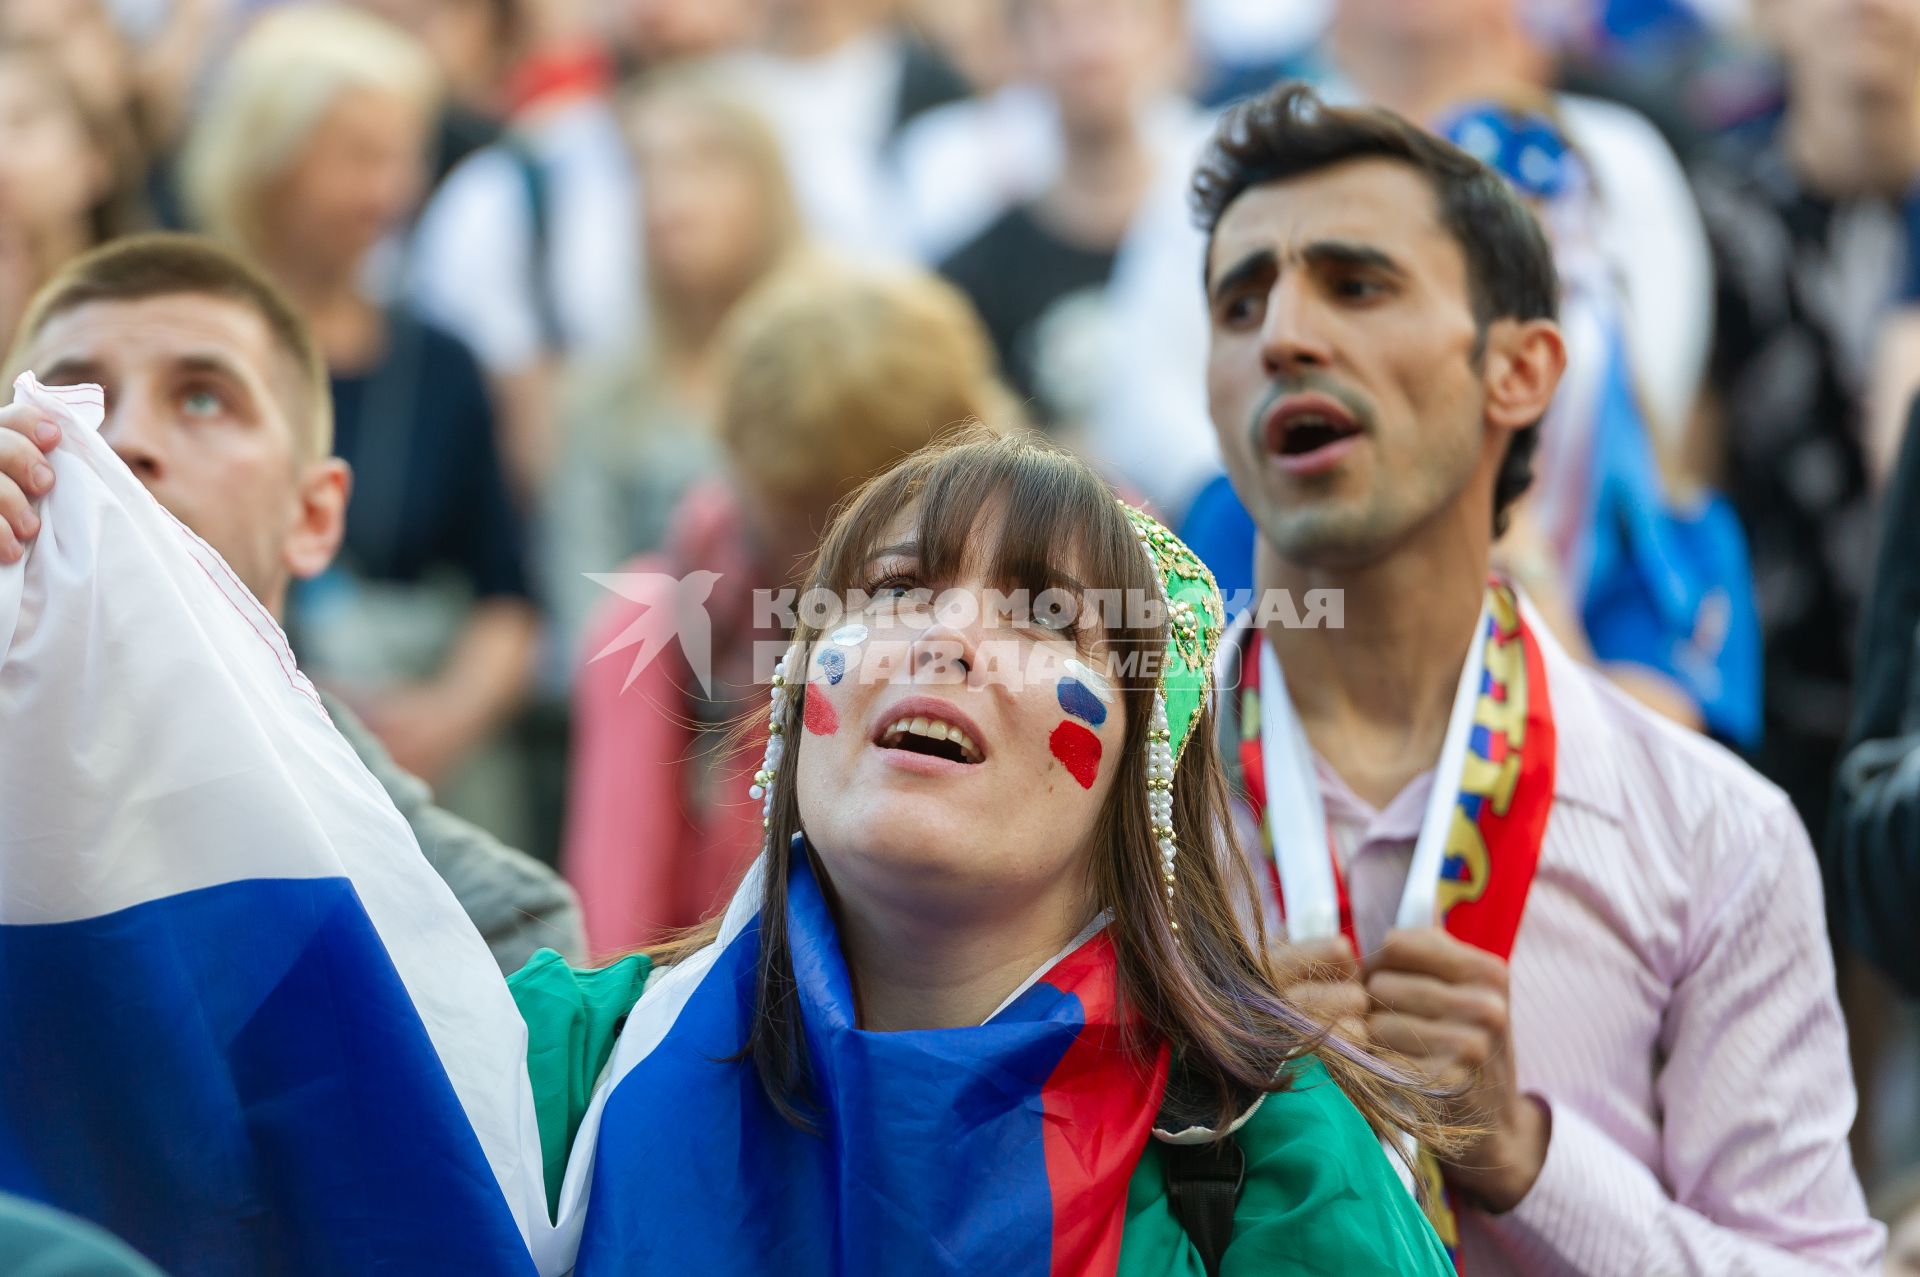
x,y
1203,1187
1203,1162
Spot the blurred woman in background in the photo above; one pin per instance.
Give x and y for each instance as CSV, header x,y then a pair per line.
x,y
717,215
140,64
69,174
310,155
827,375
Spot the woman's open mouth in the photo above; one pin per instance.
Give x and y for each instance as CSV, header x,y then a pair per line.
x,y
922,732
931,737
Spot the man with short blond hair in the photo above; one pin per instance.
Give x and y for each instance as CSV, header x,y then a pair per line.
x,y
217,399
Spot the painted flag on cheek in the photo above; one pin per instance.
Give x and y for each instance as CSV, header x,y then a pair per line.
x,y
243,1025
1002,1148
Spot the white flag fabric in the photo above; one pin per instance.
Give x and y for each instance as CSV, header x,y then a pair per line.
x,y
243,1024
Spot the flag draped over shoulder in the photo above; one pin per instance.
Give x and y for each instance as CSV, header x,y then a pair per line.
x,y
243,1024
1004,1147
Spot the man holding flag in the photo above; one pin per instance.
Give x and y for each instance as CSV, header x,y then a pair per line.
x,y
217,400
248,1026
1608,930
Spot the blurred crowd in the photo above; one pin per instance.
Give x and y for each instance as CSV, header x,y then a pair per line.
x,y
618,298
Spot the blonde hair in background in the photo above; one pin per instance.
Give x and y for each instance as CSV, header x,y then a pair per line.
x,y
745,138
832,373
283,77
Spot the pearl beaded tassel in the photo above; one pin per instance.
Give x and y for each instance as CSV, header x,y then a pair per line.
x,y
1160,766
762,787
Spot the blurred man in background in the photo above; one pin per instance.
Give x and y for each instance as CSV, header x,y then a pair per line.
x,y
528,252
1813,227
1038,272
1873,853
839,79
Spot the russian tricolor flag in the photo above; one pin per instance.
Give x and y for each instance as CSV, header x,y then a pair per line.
x,y
1004,1148
244,1025
242,1022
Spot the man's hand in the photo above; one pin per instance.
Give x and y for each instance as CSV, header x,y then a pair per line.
x,y
1322,978
26,436
1443,1004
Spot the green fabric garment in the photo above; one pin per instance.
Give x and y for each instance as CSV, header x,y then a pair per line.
x,y
573,1016
1320,1196
38,1241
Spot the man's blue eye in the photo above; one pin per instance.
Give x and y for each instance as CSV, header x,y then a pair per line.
x,y
201,403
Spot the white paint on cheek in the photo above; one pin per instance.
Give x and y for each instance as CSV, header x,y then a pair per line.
x,y
848,636
1092,681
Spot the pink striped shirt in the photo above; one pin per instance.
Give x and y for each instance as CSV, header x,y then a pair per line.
x,y
1672,1002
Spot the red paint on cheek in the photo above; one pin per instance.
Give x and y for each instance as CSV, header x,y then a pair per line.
x,y
821,718
1078,751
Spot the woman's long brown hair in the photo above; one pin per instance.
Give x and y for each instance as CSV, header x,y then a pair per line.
x,y
1209,992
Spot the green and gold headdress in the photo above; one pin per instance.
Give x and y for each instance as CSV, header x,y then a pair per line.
x,y
1195,618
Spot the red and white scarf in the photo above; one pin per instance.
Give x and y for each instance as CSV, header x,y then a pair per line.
x,y
1480,839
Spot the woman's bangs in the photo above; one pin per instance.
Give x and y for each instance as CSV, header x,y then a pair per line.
x,y
1017,511
1024,518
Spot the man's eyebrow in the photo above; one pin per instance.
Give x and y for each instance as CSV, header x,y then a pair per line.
x,y
1326,252
71,370
1259,262
1340,252
213,361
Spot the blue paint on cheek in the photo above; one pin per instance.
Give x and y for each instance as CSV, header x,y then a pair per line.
x,y
1078,701
833,665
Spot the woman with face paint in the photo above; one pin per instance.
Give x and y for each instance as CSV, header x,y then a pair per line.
x,y
986,1002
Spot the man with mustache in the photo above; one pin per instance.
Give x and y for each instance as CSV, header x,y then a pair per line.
x,y
1605,930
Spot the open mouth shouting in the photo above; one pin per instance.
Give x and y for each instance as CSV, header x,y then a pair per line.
x,y
1309,434
927,735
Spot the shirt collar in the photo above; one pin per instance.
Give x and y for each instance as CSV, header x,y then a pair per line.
x,y
1398,821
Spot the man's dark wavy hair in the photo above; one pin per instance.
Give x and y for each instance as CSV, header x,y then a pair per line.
x,y
1288,131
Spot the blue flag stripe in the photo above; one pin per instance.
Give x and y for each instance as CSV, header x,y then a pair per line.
x,y
929,1156
235,1081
